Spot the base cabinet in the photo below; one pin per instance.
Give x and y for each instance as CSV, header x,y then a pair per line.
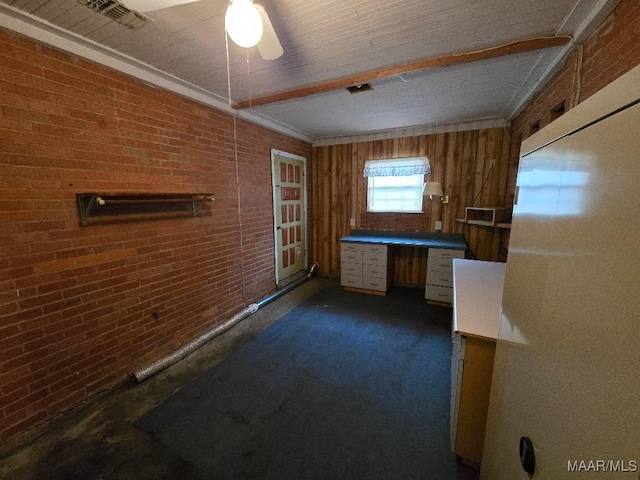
x,y
471,372
439,283
365,266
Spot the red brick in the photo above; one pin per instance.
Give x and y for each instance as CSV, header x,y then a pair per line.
x,y
618,33
74,126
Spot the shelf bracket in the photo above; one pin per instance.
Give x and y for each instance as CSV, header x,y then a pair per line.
x,y
85,204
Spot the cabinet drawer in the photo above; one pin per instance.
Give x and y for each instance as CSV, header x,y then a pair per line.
x,y
378,284
440,264
351,257
438,293
378,249
354,281
445,253
435,277
373,258
374,271
347,268
350,247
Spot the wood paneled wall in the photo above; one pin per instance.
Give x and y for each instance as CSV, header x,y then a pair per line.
x,y
472,166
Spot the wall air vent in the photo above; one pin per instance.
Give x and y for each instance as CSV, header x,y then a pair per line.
x,y
117,12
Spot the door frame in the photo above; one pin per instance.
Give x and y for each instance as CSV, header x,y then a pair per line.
x,y
274,176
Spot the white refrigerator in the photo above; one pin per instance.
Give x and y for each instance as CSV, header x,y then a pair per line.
x,y
566,379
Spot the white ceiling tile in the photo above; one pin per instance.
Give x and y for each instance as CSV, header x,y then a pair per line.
x,y
328,40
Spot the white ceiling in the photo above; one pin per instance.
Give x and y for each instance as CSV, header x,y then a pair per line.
x,y
184,49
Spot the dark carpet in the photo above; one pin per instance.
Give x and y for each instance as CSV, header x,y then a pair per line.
x,y
345,386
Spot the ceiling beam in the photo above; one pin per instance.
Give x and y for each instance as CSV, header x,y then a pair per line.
x,y
520,46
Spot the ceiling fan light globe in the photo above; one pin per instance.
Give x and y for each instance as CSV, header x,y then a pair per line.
x,y
243,23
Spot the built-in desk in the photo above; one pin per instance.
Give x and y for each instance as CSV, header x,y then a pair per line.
x,y
454,241
477,304
366,260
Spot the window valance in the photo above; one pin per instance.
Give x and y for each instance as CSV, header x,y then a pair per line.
x,y
397,167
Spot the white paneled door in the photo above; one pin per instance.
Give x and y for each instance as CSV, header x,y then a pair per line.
x,y
289,193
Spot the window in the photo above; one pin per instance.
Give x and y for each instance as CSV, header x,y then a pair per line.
x,y
395,185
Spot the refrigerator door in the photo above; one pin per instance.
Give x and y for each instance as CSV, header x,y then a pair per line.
x,y
567,364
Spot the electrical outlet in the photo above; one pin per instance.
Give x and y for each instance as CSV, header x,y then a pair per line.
x,y
352,222
438,225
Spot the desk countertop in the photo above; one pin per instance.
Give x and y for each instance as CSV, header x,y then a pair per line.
x,y
477,297
453,241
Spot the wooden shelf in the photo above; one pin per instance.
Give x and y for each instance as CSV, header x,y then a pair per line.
x,y
116,204
483,224
495,217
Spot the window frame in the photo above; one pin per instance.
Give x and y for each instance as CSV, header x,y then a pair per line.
x,y
412,169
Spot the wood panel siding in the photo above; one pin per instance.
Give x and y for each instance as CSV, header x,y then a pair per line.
x,y
471,165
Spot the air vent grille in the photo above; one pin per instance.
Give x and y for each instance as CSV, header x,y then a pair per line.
x,y
364,87
117,12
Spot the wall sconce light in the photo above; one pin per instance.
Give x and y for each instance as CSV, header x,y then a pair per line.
x,y
434,189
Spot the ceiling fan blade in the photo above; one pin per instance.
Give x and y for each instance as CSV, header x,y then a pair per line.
x,y
144,6
269,46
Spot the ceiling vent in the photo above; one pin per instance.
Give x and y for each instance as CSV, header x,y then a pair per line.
x,y
363,87
117,12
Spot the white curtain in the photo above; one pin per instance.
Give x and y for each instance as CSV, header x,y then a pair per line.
x,y
396,167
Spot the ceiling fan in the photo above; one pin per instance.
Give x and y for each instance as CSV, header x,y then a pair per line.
x,y
246,23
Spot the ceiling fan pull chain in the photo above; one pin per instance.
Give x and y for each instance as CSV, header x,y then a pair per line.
x,y
249,77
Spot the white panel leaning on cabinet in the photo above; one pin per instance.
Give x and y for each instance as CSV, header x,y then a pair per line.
x,y
439,282
477,302
365,267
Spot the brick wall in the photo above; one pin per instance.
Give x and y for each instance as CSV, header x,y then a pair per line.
x,y
613,49
77,303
